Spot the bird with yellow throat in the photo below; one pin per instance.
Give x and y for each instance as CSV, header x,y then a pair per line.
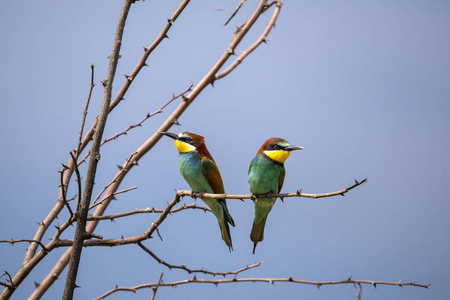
x,y
266,176
199,169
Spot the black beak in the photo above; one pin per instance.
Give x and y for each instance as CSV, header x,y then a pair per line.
x,y
171,135
292,148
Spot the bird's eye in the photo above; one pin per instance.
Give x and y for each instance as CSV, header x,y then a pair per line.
x,y
276,147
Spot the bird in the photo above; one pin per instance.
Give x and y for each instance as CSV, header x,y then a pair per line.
x,y
266,176
199,169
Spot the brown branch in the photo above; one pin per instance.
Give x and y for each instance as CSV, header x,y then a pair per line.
x,y
12,242
77,152
267,280
262,39
156,288
299,193
111,196
148,116
77,173
147,210
204,271
10,284
83,208
235,12
125,241
64,190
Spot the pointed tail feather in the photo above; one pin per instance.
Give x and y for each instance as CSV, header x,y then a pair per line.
x,y
225,229
226,213
257,234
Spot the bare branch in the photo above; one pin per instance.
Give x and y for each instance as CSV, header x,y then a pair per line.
x,y
262,39
148,210
77,152
235,12
63,190
267,280
156,288
299,193
125,241
12,242
204,271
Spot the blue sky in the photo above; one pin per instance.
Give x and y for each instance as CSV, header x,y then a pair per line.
x,y
363,86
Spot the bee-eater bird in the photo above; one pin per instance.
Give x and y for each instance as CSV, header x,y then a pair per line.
x,y
200,171
266,176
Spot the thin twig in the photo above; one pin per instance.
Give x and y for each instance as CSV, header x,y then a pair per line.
x,y
262,39
147,210
77,172
204,271
267,280
12,242
299,193
77,152
64,190
235,12
156,288
129,240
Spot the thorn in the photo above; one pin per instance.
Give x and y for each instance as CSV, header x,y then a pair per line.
x,y
145,65
264,40
318,287
299,192
374,284
119,167
36,285
291,278
77,286
356,181
216,284
145,48
55,276
170,21
212,82
282,199
350,278
175,122
182,96
166,36
194,278
343,195
231,52
126,76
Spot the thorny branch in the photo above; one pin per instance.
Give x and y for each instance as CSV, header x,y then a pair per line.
x,y
147,210
85,112
267,280
299,193
204,271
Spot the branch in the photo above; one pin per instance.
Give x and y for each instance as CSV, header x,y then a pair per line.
x,y
299,193
262,39
235,12
156,288
12,242
83,208
125,241
267,280
204,271
147,210
77,152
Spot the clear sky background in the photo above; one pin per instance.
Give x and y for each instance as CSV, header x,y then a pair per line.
x,y
363,86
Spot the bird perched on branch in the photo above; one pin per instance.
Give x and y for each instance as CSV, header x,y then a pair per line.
x,y
200,171
266,176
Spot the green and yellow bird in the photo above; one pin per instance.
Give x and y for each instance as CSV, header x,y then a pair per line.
x,y
200,171
266,176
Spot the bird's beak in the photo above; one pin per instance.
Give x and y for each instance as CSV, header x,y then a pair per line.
x,y
292,148
171,135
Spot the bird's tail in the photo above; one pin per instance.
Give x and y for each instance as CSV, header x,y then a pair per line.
x,y
225,229
257,234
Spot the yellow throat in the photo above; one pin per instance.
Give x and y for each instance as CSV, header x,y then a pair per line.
x,y
183,147
278,155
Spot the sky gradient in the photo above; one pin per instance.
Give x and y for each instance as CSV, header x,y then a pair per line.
x,y
363,86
